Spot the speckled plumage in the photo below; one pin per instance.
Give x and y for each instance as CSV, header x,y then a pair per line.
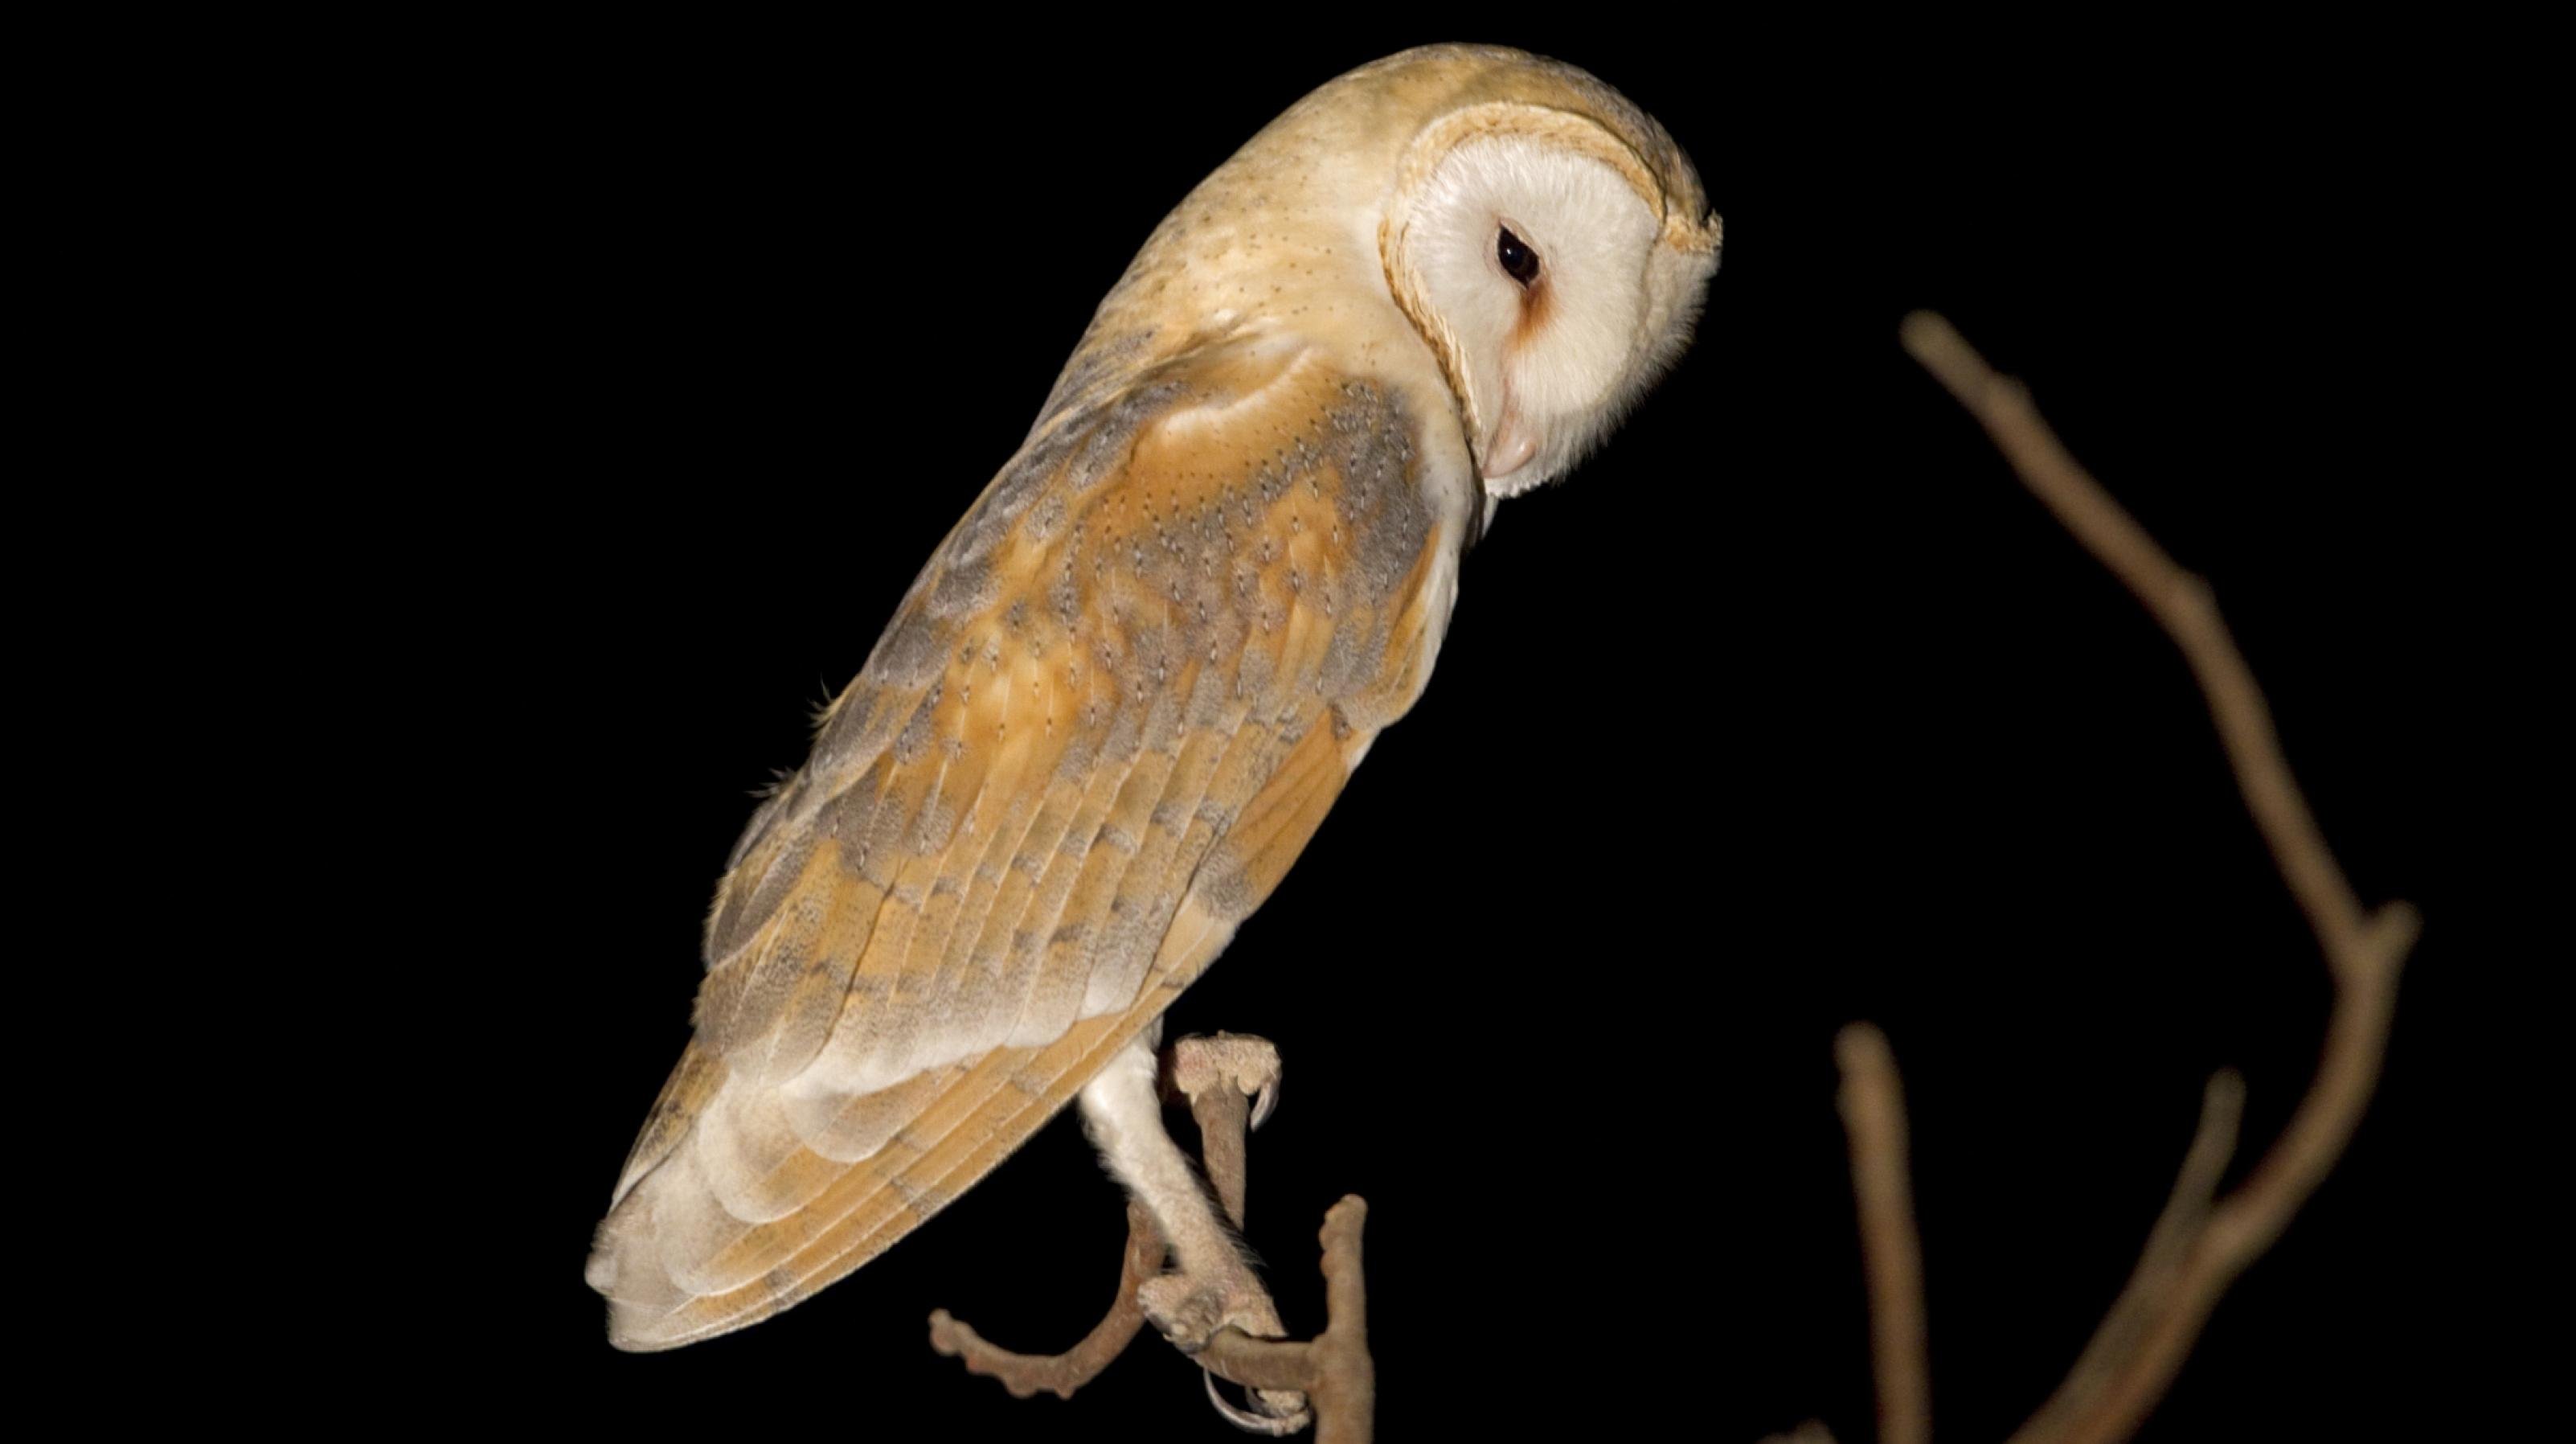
x,y
1111,710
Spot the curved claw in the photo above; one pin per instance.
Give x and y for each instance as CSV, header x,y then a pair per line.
x,y
1274,1426
1265,1101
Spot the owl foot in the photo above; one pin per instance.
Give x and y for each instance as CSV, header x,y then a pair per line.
x,y
1250,1065
1275,1412
1189,1313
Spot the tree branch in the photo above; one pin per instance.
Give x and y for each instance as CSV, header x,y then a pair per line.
x,y
1333,1370
2198,1247
1061,1374
1873,1109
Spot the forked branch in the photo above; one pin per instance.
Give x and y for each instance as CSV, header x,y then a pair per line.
x,y
1061,1374
1333,1370
2201,1243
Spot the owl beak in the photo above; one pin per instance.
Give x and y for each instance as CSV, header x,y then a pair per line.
x,y
1514,443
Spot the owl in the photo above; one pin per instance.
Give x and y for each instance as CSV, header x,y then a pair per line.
x,y
1126,688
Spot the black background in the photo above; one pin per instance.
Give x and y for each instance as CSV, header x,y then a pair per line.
x,y
1788,709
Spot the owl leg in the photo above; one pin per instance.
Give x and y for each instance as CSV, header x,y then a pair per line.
x,y
1215,1287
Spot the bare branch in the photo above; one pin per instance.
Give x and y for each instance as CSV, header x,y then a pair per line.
x,y
2160,1266
1873,1109
1061,1374
1333,1370
2198,1247
2181,603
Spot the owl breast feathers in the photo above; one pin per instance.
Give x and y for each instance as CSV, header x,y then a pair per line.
x,y
1123,693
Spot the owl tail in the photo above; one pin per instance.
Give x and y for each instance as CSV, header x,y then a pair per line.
x,y
654,1192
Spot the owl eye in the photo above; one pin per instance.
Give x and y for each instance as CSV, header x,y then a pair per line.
x,y
1519,261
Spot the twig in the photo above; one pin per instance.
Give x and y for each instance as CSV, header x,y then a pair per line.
x,y
1873,1109
1061,1374
2198,1247
2160,1265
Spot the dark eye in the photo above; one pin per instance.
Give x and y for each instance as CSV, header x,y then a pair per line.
x,y
1519,261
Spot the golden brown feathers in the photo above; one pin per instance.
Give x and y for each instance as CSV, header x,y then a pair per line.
x,y
1105,720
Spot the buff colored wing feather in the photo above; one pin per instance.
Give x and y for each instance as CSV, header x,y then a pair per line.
x,y
1103,723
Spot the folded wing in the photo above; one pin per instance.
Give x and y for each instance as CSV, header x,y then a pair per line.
x,y
1102,724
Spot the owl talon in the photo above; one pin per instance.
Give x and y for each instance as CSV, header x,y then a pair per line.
x,y
1248,1064
1281,1413
1182,1312
1189,1313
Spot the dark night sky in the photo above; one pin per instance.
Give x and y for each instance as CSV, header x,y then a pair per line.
x,y
723,331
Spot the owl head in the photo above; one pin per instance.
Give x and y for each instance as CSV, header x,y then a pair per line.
x,y
1540,235
1552,245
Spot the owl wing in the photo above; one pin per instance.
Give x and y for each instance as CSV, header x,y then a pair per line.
x,y
1100,727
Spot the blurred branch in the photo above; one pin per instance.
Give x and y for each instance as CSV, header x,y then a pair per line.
x,y
1873,1109
2201,1243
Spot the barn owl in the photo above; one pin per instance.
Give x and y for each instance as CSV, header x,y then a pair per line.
x,y
1128,685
